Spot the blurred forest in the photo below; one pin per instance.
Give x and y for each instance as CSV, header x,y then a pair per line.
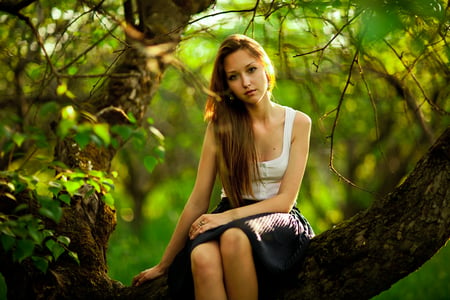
x,y
373,76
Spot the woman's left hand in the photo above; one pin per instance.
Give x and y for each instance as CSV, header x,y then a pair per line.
x,y
206,222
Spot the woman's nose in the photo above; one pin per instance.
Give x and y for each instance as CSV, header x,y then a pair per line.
x,y
245,81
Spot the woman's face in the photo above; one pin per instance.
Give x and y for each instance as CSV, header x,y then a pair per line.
x,y
246,77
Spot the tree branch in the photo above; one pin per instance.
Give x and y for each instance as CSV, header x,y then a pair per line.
x,y
13,7
410,72
337,110
338,33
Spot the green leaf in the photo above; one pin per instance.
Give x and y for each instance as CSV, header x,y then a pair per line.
x,y
55,248
74,256
18,138
115,143
73,186
102,130
82,138
159,152
64,198
55,187
7,242
61,89
64,126
47,233
96,187
40,263
379,23
20,208
68,113
24,249
34,232
63,240
49,108
124,131
72,70
35,73
51,209
150,162
108,199
131,118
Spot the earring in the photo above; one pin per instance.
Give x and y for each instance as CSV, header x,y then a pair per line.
x,y
229,96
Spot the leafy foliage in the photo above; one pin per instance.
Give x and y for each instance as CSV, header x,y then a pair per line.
x,y
23,234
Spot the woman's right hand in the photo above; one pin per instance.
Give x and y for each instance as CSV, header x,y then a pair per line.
x,y
147,275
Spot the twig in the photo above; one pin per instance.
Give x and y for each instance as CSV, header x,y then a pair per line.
x,y
218,14
252,21
410,72
338,110
374,107
321,49
39,40
372,100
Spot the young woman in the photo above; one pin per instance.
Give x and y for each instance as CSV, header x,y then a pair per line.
x,y
259,149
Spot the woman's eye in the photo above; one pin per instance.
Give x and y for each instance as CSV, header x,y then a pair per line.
x,y
232,77
251,69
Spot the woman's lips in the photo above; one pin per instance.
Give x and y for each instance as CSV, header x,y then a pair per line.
x,y
250,92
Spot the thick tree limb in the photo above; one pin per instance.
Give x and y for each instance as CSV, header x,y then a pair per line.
x,y
365,255
13,7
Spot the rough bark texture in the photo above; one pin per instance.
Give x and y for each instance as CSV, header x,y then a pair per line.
x,y
356,259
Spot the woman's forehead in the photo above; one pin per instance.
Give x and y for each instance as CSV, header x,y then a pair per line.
x,y
238,60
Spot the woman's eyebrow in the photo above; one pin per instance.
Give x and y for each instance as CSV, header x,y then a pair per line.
x,y
246,66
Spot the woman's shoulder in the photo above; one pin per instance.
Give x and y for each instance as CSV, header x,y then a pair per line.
x,y
300,118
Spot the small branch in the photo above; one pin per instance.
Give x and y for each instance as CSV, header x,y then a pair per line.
x,y
39,40
372,100
115,75
322,49
410,101
221,13
253,17
410,72
88,49
338,110
374,107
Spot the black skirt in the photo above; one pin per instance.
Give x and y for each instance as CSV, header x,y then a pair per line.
x,y
278,240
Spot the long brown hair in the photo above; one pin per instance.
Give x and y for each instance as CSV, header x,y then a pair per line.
x,y
236,153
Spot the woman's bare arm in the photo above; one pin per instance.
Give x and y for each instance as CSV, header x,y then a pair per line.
x,y
197,204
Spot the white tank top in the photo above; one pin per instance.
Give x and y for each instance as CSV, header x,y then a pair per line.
x,y
272,171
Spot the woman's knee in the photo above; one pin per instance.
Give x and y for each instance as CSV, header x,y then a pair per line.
x,y
234,242
206,260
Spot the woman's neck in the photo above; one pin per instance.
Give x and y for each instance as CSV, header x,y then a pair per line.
x,y
262,112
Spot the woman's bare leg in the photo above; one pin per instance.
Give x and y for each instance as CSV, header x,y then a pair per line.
x,y
207,272
239,268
